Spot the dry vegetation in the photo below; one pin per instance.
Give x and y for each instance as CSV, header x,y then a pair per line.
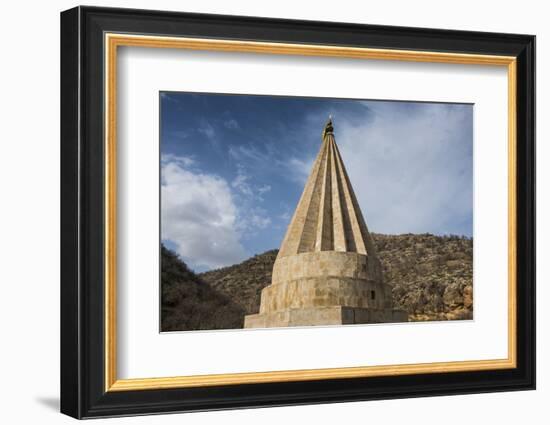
x,y
189,303
431,275
431,278
244,282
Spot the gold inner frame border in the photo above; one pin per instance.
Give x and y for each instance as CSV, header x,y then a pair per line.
x,y
113,40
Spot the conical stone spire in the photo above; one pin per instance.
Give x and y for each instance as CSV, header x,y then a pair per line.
x,y
328,217
327,271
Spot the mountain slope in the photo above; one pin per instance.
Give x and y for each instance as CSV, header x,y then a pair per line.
x,y
431,276
244,282
189,303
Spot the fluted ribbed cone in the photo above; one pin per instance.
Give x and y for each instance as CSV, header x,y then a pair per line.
x,y
328,217
327,271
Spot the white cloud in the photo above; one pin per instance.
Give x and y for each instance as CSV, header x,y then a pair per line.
x,y
411,168
205,217
199,215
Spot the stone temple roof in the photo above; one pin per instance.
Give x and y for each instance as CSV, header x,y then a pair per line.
x,y
328,217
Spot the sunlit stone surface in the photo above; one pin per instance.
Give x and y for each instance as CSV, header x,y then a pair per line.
x,y
327,271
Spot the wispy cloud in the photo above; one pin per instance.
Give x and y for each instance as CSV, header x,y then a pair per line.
x,y
241,183
208,130
299,169
257,218
248,153
251,215
266,159
183,161
178,134
231,124
264,189
168,97
286,215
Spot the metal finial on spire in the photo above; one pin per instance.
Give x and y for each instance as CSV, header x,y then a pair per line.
x,y
328,126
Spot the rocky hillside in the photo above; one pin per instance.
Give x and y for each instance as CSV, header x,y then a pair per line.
x,y
189,303
244,282
431,276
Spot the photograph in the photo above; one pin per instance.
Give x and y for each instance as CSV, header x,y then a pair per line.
x,y
287,211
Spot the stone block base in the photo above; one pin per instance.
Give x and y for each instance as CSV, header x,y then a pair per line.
x,y
324,316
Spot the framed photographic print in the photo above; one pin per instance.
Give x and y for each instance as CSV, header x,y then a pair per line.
x,y
261,212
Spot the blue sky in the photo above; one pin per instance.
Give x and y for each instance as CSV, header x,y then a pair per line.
x,y
233,168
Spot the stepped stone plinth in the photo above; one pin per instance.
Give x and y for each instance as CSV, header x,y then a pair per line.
x,y
327,271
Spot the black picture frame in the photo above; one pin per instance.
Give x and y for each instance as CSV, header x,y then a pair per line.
x,y
83,392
